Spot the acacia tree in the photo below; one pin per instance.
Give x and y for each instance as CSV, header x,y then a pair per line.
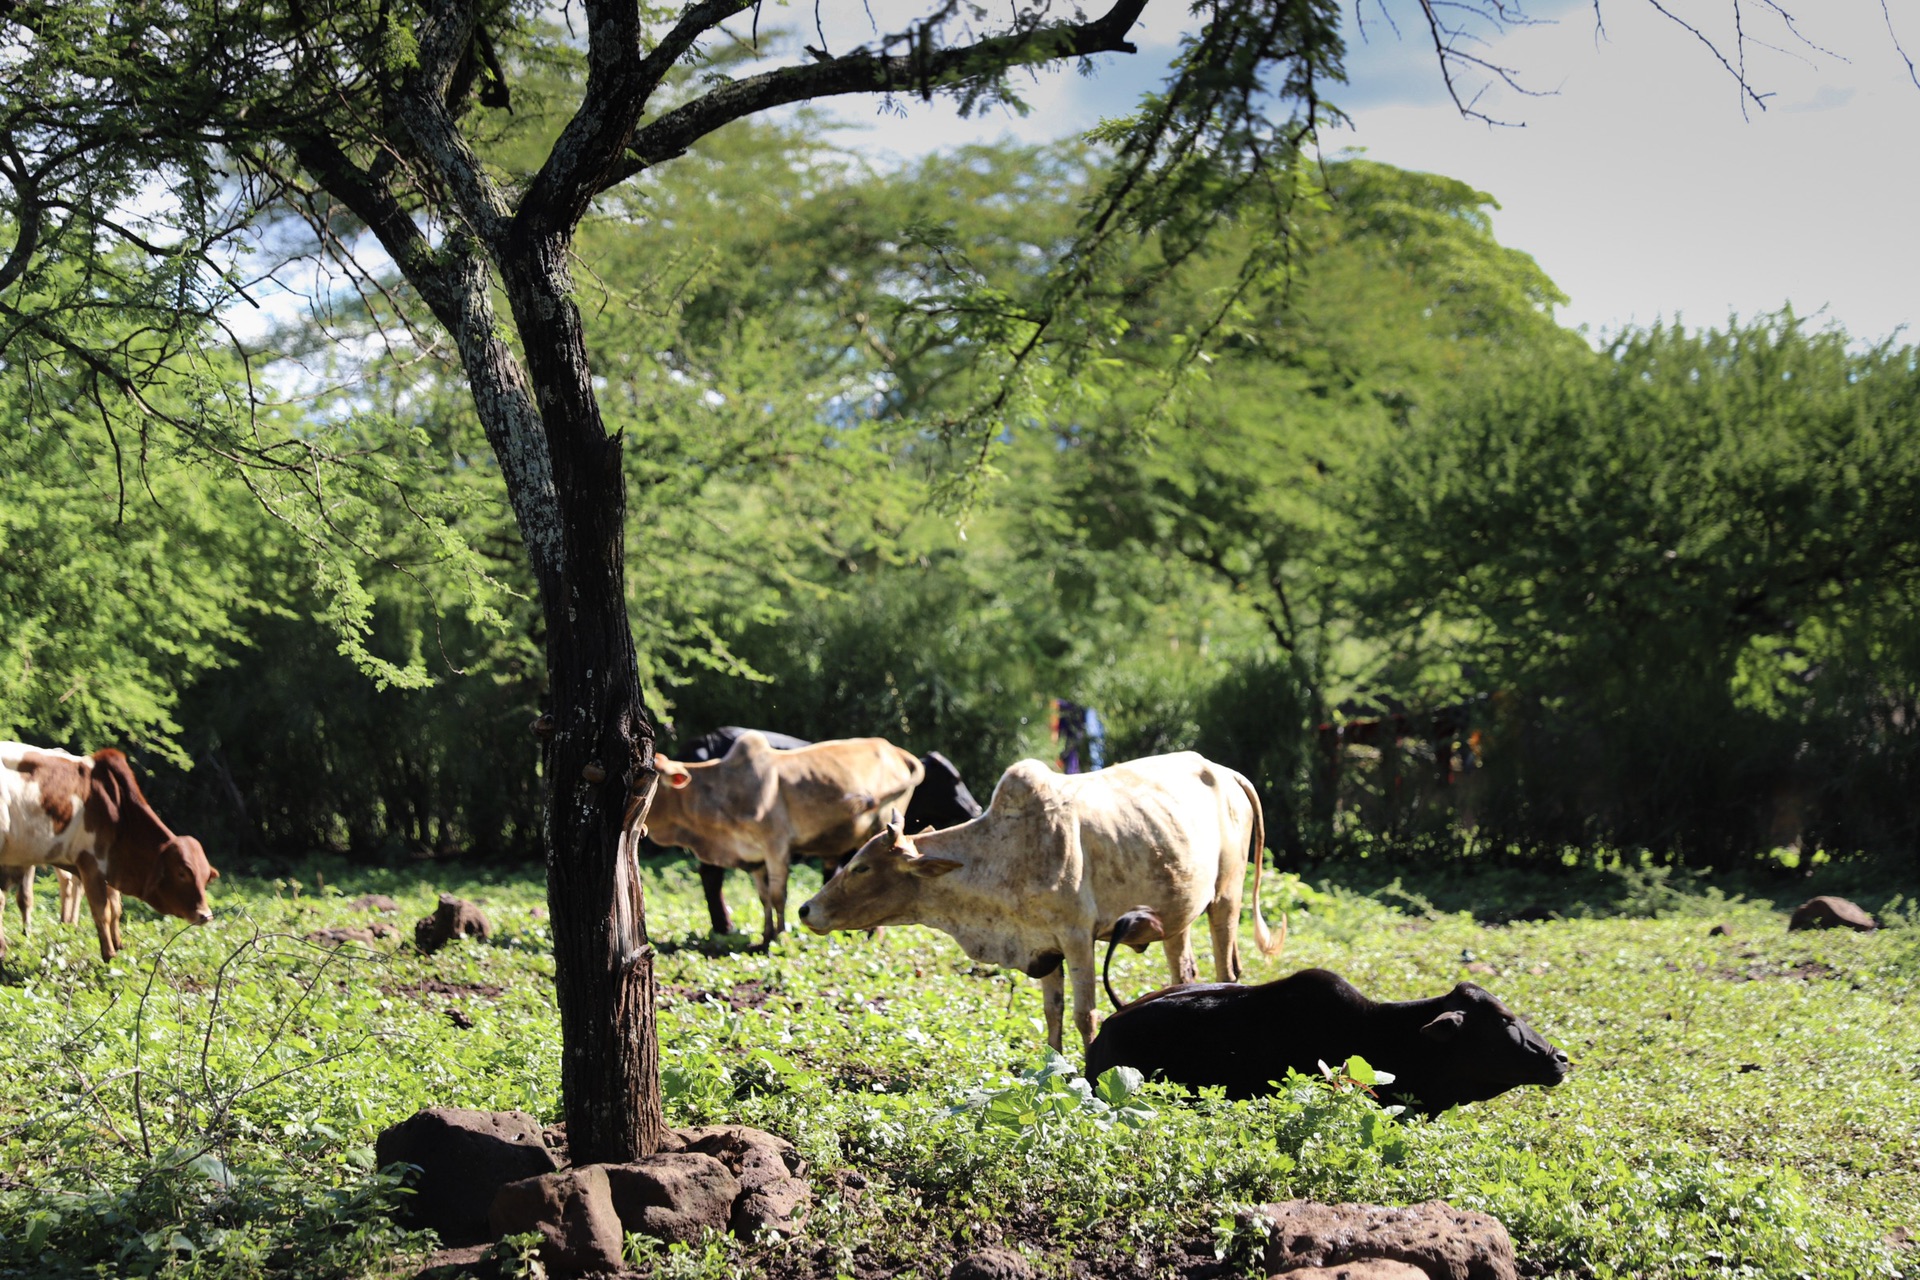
x,y
139,140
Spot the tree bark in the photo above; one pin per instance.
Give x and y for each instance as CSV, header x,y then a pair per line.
x,y
599,760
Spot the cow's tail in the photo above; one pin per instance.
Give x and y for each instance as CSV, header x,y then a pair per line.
x,y
1106,974
1270,944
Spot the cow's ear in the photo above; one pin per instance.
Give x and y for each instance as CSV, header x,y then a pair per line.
x,y
678,779
1445,1027
929,868
213,873
105,792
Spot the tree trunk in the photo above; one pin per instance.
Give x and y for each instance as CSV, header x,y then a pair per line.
x,y
599,761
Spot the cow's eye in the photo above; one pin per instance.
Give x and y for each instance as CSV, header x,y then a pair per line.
x,y
860,871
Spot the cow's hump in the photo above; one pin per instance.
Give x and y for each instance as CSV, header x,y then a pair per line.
x,y
1026,787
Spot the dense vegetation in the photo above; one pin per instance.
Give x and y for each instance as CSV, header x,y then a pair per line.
x,y
1742,1104
1665,587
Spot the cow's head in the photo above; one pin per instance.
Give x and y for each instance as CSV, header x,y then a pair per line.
x,y
180,881
877,885
1478,1048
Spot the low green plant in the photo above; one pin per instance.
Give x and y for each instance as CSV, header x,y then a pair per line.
x,y
1742,1102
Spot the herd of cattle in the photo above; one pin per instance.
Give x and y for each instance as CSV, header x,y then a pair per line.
x,y
1055,863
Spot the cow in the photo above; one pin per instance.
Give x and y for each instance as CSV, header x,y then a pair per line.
x,y
20,881
1461,1047
711,746
87,814
941,800
759,808
1056,859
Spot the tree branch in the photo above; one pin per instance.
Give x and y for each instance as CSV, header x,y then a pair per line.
x,y
617,90
418,110
865,72
29,212
455,286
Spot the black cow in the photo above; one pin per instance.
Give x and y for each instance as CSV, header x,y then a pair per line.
x,y
941,800
1464,1046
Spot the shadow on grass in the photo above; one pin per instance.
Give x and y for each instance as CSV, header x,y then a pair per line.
x,y
1586,884
713,944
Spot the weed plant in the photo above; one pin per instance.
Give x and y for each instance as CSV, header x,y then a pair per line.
x,y
1744,1101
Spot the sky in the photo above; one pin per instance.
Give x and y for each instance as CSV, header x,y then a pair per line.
x,y
1630,168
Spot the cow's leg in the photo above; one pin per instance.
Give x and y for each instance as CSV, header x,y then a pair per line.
x,y
1223,923
116,907
99,904
759,873
1053,998
1080,963
712,881
23,894
1180,965
779,865
69,896
12,879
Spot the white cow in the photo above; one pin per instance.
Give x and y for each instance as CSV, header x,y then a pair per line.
x,y
1056,859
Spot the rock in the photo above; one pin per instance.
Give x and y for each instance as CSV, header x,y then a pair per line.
x,y
374,902
339,937
1362,1269
674,1196
1443,1242
452,919
995,1262
464,1157
1826,912
1718,931
773,1196
573,1212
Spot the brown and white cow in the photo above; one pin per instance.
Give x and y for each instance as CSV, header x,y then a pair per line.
x,y
87,814
1057,859
759,808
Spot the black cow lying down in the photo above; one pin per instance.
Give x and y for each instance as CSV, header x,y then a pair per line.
x,y
1464,1046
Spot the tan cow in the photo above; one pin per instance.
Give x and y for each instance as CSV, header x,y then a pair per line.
x,y
87,814
1056,859
759,808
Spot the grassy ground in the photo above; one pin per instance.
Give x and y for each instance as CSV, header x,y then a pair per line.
x,y
1744,1103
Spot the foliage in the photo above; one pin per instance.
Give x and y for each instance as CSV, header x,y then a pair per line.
x,y
1739,1103
119,583
1687,565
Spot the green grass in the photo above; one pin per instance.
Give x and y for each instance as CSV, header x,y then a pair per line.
x,y
1745,1104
